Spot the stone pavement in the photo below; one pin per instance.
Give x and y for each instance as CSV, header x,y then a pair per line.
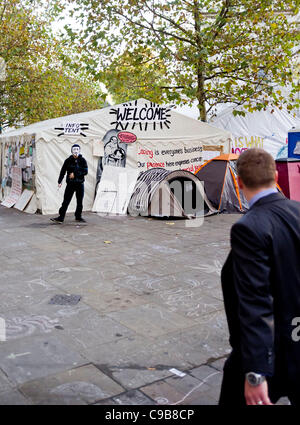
x,y
150,302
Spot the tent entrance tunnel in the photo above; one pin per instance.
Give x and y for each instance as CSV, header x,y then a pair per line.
x,y
162,193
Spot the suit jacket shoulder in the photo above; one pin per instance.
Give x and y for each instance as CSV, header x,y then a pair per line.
x,y
269,212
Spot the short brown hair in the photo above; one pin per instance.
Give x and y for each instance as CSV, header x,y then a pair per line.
x,y
256,168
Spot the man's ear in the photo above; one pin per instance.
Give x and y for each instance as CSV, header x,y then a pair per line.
x,y
240,183
276,176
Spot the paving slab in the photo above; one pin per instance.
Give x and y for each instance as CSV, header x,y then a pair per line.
x,y
162,393
88,329
202,343
133,397
143,283
188,301
185,384
25,294
13,398
117,353
83,385
114,299
135,376
139,283
63,276
161,268
55,312
202,395
77,279
205,373
5,384
173,351
141,352
19,325
29,358
151,319
219,364
165,394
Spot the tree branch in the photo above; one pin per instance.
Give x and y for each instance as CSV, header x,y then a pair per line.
x,y
221,17
3,10
171,21
153,29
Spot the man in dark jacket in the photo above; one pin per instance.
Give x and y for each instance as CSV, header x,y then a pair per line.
x,y
76,168
261,290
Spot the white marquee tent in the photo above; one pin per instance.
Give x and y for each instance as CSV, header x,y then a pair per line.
x,y
263,129
137,135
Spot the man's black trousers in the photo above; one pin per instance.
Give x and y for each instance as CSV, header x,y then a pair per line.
x,y
72,187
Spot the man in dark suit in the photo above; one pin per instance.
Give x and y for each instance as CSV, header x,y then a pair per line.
x,y
76,168
261,290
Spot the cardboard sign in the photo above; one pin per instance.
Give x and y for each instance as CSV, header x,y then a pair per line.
x,y
16,188
105,202
115,189
24,199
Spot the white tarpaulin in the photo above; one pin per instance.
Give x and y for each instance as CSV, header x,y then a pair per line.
x,y
261,129
137,135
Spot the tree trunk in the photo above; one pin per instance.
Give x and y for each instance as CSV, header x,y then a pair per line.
x,y
201,95
200,66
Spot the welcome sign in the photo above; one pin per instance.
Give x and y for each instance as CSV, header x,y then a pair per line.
x,y
134,115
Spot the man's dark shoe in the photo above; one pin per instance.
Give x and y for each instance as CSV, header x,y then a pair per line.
x,y
57,220
81,220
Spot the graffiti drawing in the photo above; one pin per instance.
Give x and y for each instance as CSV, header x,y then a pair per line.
x,y
86,390
114,154
18,327
115,150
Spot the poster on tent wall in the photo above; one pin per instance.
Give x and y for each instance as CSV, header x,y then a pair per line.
x,y
115,151
16,188
18,153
